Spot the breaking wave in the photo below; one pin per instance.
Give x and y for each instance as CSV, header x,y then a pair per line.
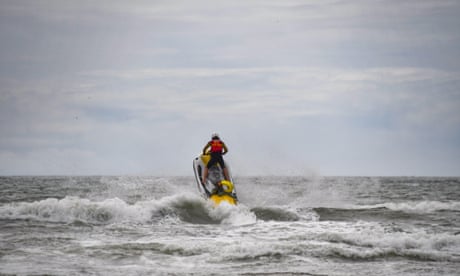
x,y
389,211
285,213
194,209
369,246
419,207
187,208
71,209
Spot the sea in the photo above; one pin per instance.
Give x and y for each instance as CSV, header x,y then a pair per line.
x,y
283,225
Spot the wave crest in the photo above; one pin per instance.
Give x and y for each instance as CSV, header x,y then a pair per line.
x,y
187,208
417,207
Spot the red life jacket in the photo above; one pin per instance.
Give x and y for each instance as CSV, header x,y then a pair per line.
x,y
216,146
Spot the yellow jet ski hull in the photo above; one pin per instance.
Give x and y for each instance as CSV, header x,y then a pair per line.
x,y
218,199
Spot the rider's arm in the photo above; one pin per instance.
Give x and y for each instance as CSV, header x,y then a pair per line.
x,y
225,148
206,147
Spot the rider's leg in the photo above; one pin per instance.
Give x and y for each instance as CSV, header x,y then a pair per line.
x,y
227,177
224,168
205,175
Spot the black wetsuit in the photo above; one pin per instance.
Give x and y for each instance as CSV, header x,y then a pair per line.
x,y
216,157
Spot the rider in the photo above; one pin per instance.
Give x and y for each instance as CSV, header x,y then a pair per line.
x,y
217,149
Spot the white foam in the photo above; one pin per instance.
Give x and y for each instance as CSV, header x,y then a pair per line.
x,y
70,209
233,215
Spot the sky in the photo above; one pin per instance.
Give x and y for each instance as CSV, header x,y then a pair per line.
x,y
293,87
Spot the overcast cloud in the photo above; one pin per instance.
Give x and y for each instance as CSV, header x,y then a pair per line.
x,y
293,87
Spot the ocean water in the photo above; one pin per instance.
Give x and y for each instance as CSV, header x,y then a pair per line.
x,y
144,225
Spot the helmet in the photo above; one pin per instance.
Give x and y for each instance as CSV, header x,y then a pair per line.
x,y
215,135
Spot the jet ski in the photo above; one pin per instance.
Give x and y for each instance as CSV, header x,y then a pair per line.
x,y
216,188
